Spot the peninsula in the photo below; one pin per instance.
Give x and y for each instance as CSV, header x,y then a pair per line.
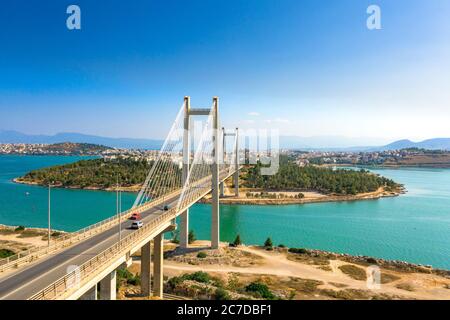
x,y
291,184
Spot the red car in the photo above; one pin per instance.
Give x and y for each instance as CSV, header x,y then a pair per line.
x,y
135,216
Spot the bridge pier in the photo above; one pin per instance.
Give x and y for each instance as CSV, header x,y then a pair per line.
x,y
158,274
145,270
108,287
236,174
91,294
215,217
184,229
184,217
222,189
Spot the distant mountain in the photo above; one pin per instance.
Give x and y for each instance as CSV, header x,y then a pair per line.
x,y
331,143
128,143
430,144
324,143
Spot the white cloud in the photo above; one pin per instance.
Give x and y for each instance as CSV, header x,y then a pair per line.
x,y
253,114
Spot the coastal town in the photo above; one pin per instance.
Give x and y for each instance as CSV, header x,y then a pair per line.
x,y
410,156
402,157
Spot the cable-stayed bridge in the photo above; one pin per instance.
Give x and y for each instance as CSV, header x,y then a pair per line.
x,y
82,265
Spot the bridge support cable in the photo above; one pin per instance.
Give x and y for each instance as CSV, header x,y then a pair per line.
x,y
165,174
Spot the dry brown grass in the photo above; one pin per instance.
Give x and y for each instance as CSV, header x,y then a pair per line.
x,y
354,272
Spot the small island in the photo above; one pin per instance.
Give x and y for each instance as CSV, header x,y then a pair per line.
x,y
291,184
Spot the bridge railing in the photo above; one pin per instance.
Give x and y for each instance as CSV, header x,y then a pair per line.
x,y
84,273
69,239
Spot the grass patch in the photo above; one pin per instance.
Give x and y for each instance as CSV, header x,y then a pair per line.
x,y
387,278
5,253
260,290
405,286
354,272
347,294
30,234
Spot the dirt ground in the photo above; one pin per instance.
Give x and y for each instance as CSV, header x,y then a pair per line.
x,y
303,278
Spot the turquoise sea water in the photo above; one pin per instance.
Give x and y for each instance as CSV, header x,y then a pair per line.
x,y
414,227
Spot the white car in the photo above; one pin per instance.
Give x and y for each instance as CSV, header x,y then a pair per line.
x,y
137,225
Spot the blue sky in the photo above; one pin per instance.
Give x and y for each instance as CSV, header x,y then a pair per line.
x,y
306,67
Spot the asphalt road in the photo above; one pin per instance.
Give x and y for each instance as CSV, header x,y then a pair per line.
x,y
29,280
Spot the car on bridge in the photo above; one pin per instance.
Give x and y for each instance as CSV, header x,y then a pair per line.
x,y
135,216
137,225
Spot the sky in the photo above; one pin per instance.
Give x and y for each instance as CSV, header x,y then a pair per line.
x,y
304,67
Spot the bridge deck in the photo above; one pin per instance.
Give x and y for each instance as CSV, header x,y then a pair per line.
x,y
31,279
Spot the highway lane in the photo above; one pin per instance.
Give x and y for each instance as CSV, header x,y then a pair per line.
x,y
29,280
26,282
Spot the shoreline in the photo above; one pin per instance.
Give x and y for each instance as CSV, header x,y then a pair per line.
x,y
132,189
360,259
227,200
380,193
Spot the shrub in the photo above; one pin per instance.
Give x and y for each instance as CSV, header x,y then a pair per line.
x,y
176,237
260,289
5,253
199,276
19,228
191,237
201,255
297,250
222,294
237,242
126,275
268,243
281,245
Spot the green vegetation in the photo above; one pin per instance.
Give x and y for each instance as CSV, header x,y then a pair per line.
x,y
123,275
191,237
96,173
199,276
298,250
201,255
260,290
268,243
19,228
237,242
5,253
222,294
292,177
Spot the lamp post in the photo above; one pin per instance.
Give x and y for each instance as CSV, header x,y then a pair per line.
x,y
49,212
119,207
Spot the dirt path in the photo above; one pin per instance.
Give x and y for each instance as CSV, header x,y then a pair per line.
x,y
277,264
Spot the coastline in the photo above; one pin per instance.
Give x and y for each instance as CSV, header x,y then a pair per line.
x,y
231,200
380,193
132,189
11,240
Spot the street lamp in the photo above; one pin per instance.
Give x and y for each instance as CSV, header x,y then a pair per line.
x,y
49,213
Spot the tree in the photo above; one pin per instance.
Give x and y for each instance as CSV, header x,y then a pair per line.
x,y
237,242
191,237
268,243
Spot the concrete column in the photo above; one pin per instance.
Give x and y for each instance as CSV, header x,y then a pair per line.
x,y
236,174
108,287
215,227
90,295
158,274
222,189
184,217
145,270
